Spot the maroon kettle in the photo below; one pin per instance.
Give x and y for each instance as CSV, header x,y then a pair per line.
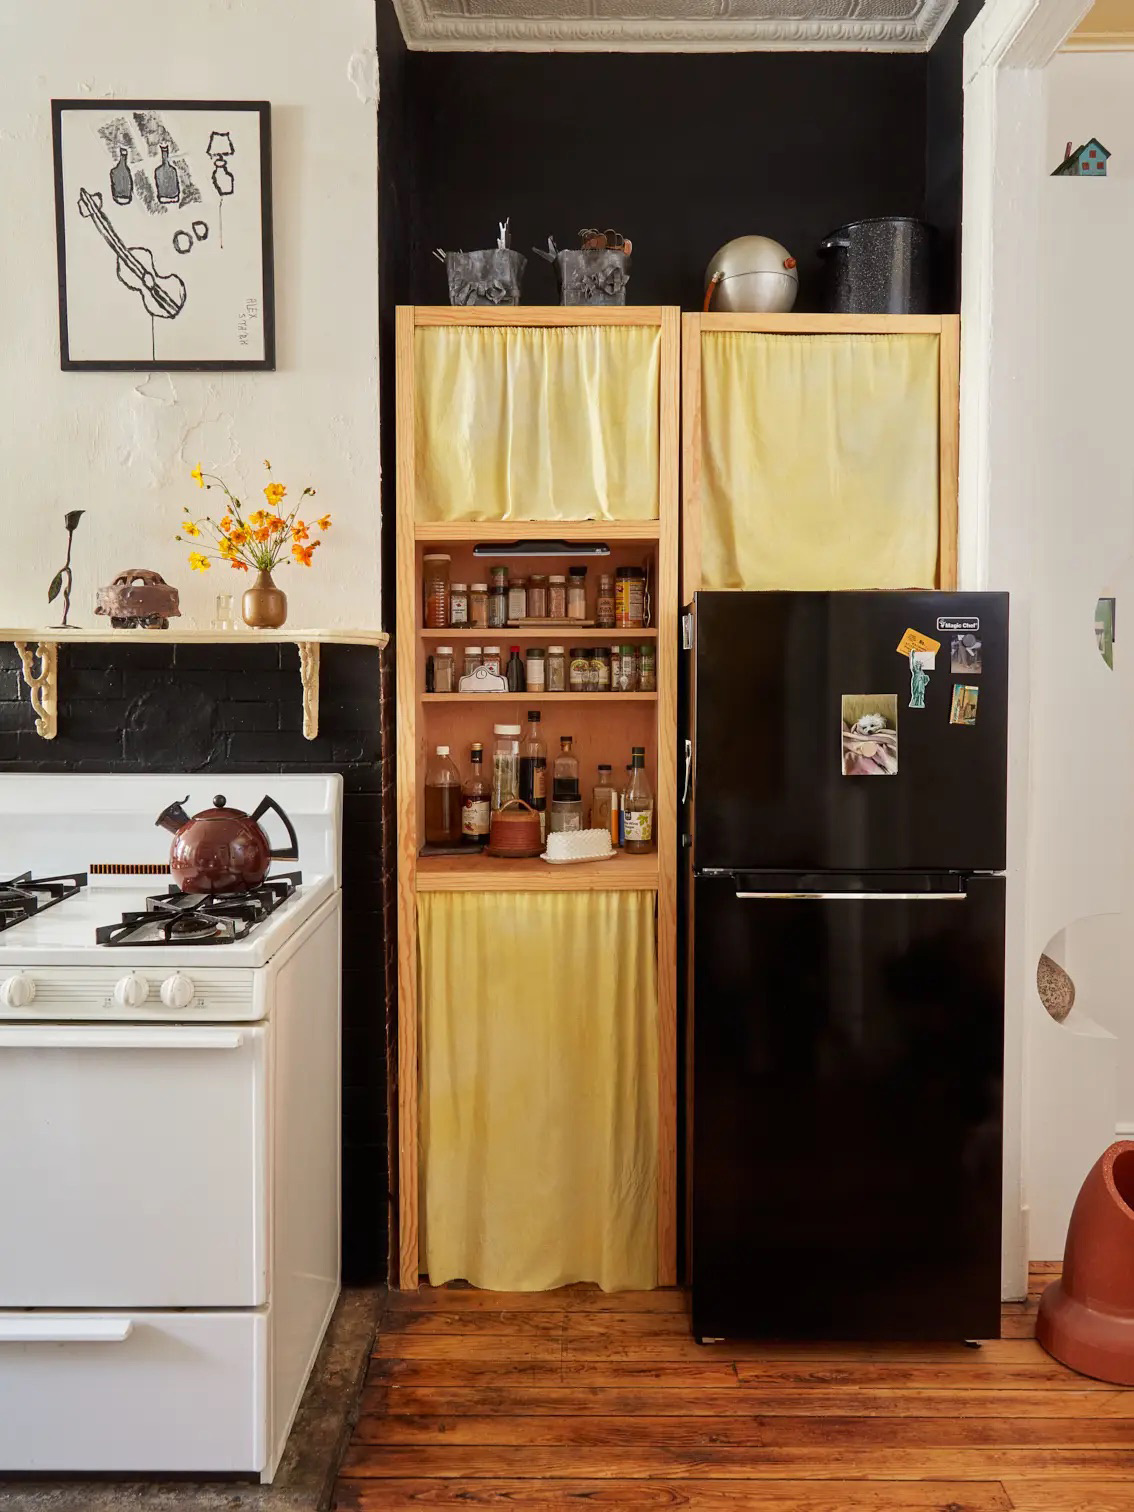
x,y
222,849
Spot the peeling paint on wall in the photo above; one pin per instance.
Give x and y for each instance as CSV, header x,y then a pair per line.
x,y
362,71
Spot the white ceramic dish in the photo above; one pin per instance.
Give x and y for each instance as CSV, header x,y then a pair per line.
x,y
576,860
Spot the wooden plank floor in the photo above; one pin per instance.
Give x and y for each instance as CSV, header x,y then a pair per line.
x,y
576,1397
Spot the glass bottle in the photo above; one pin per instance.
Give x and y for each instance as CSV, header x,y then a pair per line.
x,y
442,800
121,184
602,798
604,602
577,594
537,596
444,674
533,770
556,669
476,800
497,597
435,584
639,805
166,182
566,805
505,765
622,807
557,597
478,606
517,680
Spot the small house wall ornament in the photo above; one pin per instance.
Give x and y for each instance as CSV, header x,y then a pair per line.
x,y
1087,161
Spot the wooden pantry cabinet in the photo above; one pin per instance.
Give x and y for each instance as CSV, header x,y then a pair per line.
x,y
536,424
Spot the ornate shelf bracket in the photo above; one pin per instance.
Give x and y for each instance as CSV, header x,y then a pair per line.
x,y
309,675
42,686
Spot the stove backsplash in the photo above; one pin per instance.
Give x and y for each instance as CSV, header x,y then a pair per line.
x,y
237,708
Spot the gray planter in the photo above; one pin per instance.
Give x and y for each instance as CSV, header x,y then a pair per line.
x,y
485,278
592,278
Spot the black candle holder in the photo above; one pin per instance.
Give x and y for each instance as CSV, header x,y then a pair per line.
x,y
63,578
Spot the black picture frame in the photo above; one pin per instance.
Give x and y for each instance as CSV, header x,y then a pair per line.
x,y
266,363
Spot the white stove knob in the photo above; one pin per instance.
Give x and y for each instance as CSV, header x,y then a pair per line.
x,y
177,991
18,991
131,991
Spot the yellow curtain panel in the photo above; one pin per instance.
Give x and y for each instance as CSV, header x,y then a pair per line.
x,y
536,423
819,461
539,1106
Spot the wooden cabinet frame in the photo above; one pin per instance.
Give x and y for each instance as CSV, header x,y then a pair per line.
x,y
411,879
946,327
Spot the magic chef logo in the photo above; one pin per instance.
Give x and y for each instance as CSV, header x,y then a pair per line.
x,y
958,623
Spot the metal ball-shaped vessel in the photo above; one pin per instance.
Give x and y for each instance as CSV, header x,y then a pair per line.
x,y
752,275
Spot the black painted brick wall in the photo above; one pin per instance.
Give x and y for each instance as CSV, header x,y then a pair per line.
x,y
238,708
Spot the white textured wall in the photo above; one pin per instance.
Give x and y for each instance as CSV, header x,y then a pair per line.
x,y
120,444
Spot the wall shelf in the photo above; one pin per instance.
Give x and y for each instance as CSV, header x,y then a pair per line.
x,y
535,698
584,531
495,874
556,633
39,659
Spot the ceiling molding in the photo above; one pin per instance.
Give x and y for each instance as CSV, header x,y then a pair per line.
x,y
863,26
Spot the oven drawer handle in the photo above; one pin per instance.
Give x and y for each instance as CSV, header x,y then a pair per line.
x,y
119,1039
32,1330
860,897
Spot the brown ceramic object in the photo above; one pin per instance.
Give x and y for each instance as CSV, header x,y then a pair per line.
x,y
515,834
264,605
1086,1319
138,599
223,849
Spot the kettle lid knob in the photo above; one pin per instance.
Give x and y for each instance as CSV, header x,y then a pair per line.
x,y
219,800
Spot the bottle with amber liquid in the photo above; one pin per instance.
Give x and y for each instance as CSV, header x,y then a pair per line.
x,y
476,800
442,800
638,803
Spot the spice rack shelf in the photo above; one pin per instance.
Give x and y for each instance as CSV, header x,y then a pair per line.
x,y
604,726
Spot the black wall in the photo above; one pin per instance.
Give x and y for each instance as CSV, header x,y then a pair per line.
x,y
239,709
681,152
944,112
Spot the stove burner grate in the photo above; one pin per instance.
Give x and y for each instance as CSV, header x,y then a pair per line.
x,y
177,918
25,895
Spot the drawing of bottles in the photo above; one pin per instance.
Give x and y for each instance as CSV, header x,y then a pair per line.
x,y
166,182
121,182
220,147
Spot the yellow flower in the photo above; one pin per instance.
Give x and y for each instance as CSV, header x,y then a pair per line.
x,y
199,561
190,529
299,531
260,517
324,522
274,493
226,524
227,549
197,477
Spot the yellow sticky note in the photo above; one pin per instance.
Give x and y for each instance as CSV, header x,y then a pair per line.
x,y
913,640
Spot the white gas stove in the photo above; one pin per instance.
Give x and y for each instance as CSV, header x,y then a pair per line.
x,y
169,1121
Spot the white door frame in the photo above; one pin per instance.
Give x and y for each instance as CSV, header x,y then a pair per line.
x,y
1005,49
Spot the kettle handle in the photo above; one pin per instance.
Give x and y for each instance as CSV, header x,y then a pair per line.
x,y
290,853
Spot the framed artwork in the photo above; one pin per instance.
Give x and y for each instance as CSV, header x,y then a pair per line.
x,y
163,214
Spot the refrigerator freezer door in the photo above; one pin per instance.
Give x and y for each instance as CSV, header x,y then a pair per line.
x,y
769,790
847,1114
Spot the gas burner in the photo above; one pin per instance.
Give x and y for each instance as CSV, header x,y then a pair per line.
x,y
177,918
22,896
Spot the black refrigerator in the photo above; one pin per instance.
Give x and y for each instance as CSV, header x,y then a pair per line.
x,y
845,818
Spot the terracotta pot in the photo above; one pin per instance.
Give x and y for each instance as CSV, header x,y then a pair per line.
x,y
264,606
1086,1319
515,834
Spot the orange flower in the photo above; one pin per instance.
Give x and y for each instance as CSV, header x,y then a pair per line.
x,y
238,536
226,524
324,521
275,524
303,554
262,534
299,531
240,566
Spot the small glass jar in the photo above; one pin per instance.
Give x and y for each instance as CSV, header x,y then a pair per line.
x,y
581,674
497,606
577,594
557,597
535,667
478,606
647,669
459,605
556,669
566,816
517,600
435,585
604,602
600,669
473,655
224,617
498,577
492,660
630,598
626,676
444,671
537,595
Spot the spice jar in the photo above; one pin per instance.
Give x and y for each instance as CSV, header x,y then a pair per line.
x,y
604,603
517,599
556,670
478,606
557,597
537,595
444,673
473,655
626,675
630,598
458,605
505,765
536,669
492,659
647,669
497,606
600,669
577,594
498,577
581,677
435,584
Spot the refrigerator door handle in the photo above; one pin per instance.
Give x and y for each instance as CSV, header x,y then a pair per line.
x,y
859,897
688,770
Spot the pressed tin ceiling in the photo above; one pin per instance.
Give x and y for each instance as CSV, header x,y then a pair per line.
x,y
672,25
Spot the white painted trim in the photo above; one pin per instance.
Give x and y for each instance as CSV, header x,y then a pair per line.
x,y
1020,33
1124,1131
424,31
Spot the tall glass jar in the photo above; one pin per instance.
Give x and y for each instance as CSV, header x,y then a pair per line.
x,y
435,586
577,594
497,606
537,595
505,765
557,597
556,669
478,606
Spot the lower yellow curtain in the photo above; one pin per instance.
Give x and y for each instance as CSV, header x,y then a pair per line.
x,y
537,423
820,461
539,1107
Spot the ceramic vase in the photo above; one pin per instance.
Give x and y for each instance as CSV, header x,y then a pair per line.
x,y
264,606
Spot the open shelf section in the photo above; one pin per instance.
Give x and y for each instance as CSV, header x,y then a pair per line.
x,y
495,874
490,531
556,633
539,698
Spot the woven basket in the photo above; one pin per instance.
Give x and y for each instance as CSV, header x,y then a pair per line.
x,y
515,834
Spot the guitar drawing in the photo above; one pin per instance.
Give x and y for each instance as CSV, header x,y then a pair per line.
x,y
162,295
